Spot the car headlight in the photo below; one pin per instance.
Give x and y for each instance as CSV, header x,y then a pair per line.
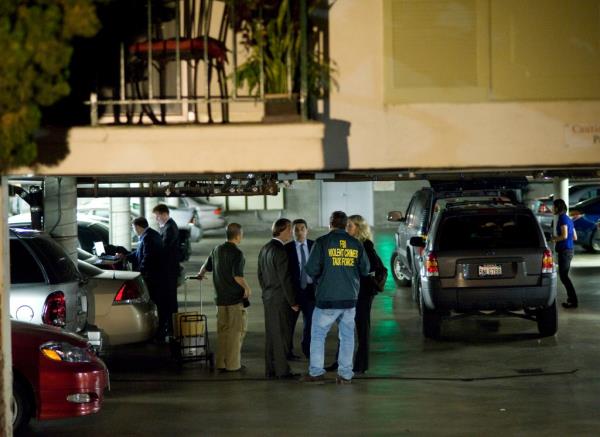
x,y
66,352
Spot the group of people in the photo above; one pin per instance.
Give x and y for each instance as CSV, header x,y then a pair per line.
x,y
157,257
330,280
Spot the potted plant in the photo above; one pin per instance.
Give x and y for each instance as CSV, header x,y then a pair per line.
x,y
272,40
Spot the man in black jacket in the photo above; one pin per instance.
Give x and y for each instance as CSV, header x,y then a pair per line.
x,y
170,237
278,297
298,252
148,259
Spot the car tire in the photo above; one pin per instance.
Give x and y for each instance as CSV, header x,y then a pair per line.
x,y
431,320
22,406
398,272
547,320
595,242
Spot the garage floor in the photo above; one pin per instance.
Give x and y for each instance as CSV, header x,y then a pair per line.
x,y
485,377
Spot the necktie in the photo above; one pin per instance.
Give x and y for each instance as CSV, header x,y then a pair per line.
x,y
303,278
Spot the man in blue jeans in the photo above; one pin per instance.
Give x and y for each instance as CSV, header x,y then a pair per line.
x,y
336,263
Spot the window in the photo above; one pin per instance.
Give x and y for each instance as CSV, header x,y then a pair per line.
x,y
488,231
24,268
55,260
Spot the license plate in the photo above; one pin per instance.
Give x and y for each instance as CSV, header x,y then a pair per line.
x,y
490,270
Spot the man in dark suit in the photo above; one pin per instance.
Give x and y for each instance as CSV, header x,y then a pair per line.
x,y
170,238
298,252
278,298
148,259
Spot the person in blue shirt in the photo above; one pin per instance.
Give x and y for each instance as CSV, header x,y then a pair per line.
x,y
564,238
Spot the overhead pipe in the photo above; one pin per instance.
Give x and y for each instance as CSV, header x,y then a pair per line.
x,y
269,188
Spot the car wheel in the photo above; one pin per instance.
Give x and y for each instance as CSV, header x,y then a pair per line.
x,y
547,320
595,242
21,406
431,320
399,272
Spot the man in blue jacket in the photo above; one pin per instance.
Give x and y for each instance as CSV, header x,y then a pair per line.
x,y
336,262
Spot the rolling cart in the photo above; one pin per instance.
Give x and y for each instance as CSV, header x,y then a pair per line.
x,y
190,340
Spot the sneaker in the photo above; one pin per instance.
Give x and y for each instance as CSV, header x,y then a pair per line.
x,y
569,305
313,379
340,380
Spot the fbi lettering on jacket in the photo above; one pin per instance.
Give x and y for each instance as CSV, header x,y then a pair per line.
x,y
341,256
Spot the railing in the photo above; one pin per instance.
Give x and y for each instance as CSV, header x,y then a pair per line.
x,y
167,75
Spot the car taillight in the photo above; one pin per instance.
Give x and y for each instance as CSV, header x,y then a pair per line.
x,y
547,262
574,214
543,209
431,265
55,310
217,211
129,291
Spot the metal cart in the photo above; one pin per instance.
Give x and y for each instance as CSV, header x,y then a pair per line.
x,y
190,333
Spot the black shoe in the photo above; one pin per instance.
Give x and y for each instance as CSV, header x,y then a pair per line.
x,y
241,369
289,376
332,367
569,305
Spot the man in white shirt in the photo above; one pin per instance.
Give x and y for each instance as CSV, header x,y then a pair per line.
x,y
298,252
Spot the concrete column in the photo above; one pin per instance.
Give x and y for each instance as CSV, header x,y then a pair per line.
x,y
561,191
5,340
120,220
60,212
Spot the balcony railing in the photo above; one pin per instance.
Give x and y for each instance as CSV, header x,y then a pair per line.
x,y
182,69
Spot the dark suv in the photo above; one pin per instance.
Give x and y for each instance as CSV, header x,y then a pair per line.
x,y
485,256
420,211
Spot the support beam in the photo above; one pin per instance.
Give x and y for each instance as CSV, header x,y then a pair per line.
x,y
5,339
120,220
60,212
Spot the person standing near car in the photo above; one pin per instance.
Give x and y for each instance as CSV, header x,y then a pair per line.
x,y
170,238
278,299
148,259
226,262
564,242
337,261
304,289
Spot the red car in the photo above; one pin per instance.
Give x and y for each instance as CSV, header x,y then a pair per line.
x,y
56,374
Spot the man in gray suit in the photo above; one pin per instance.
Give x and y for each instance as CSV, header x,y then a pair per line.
x,y
278,297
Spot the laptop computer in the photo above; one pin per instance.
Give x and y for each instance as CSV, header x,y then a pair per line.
x,y
101,251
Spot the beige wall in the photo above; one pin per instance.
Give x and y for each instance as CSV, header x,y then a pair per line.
x,y
442,135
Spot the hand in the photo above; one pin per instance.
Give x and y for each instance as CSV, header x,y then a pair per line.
x,y
121,256
247,293
296,308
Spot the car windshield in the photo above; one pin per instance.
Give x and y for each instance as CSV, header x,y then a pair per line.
x,y
488,231
59,266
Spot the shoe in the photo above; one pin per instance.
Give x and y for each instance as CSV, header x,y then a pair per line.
x,y
569,305
308,379
342,381
241,369
359,371
289,376
332,367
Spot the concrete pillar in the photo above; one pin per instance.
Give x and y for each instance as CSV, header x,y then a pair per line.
x,y
561,191
60,212
5,340
120,220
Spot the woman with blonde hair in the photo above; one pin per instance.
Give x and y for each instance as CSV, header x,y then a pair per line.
x,y
360,229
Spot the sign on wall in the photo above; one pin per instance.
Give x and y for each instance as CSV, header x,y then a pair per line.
x,y
582,135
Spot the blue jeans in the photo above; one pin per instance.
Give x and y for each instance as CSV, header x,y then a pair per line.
x,y
321,324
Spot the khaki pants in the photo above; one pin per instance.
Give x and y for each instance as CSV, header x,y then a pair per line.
x,y
231,330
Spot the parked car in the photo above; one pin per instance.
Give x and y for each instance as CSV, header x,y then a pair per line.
x,y
45,284
485,256
55,374
585,217
542,206
210,216
122,306
89,229
420,211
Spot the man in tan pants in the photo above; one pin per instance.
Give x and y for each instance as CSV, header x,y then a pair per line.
x,y
226,262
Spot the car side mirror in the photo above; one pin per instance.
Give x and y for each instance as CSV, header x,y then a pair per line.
x,y
395,216
417,241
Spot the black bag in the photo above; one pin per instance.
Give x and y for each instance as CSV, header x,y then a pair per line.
x,y
379,278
